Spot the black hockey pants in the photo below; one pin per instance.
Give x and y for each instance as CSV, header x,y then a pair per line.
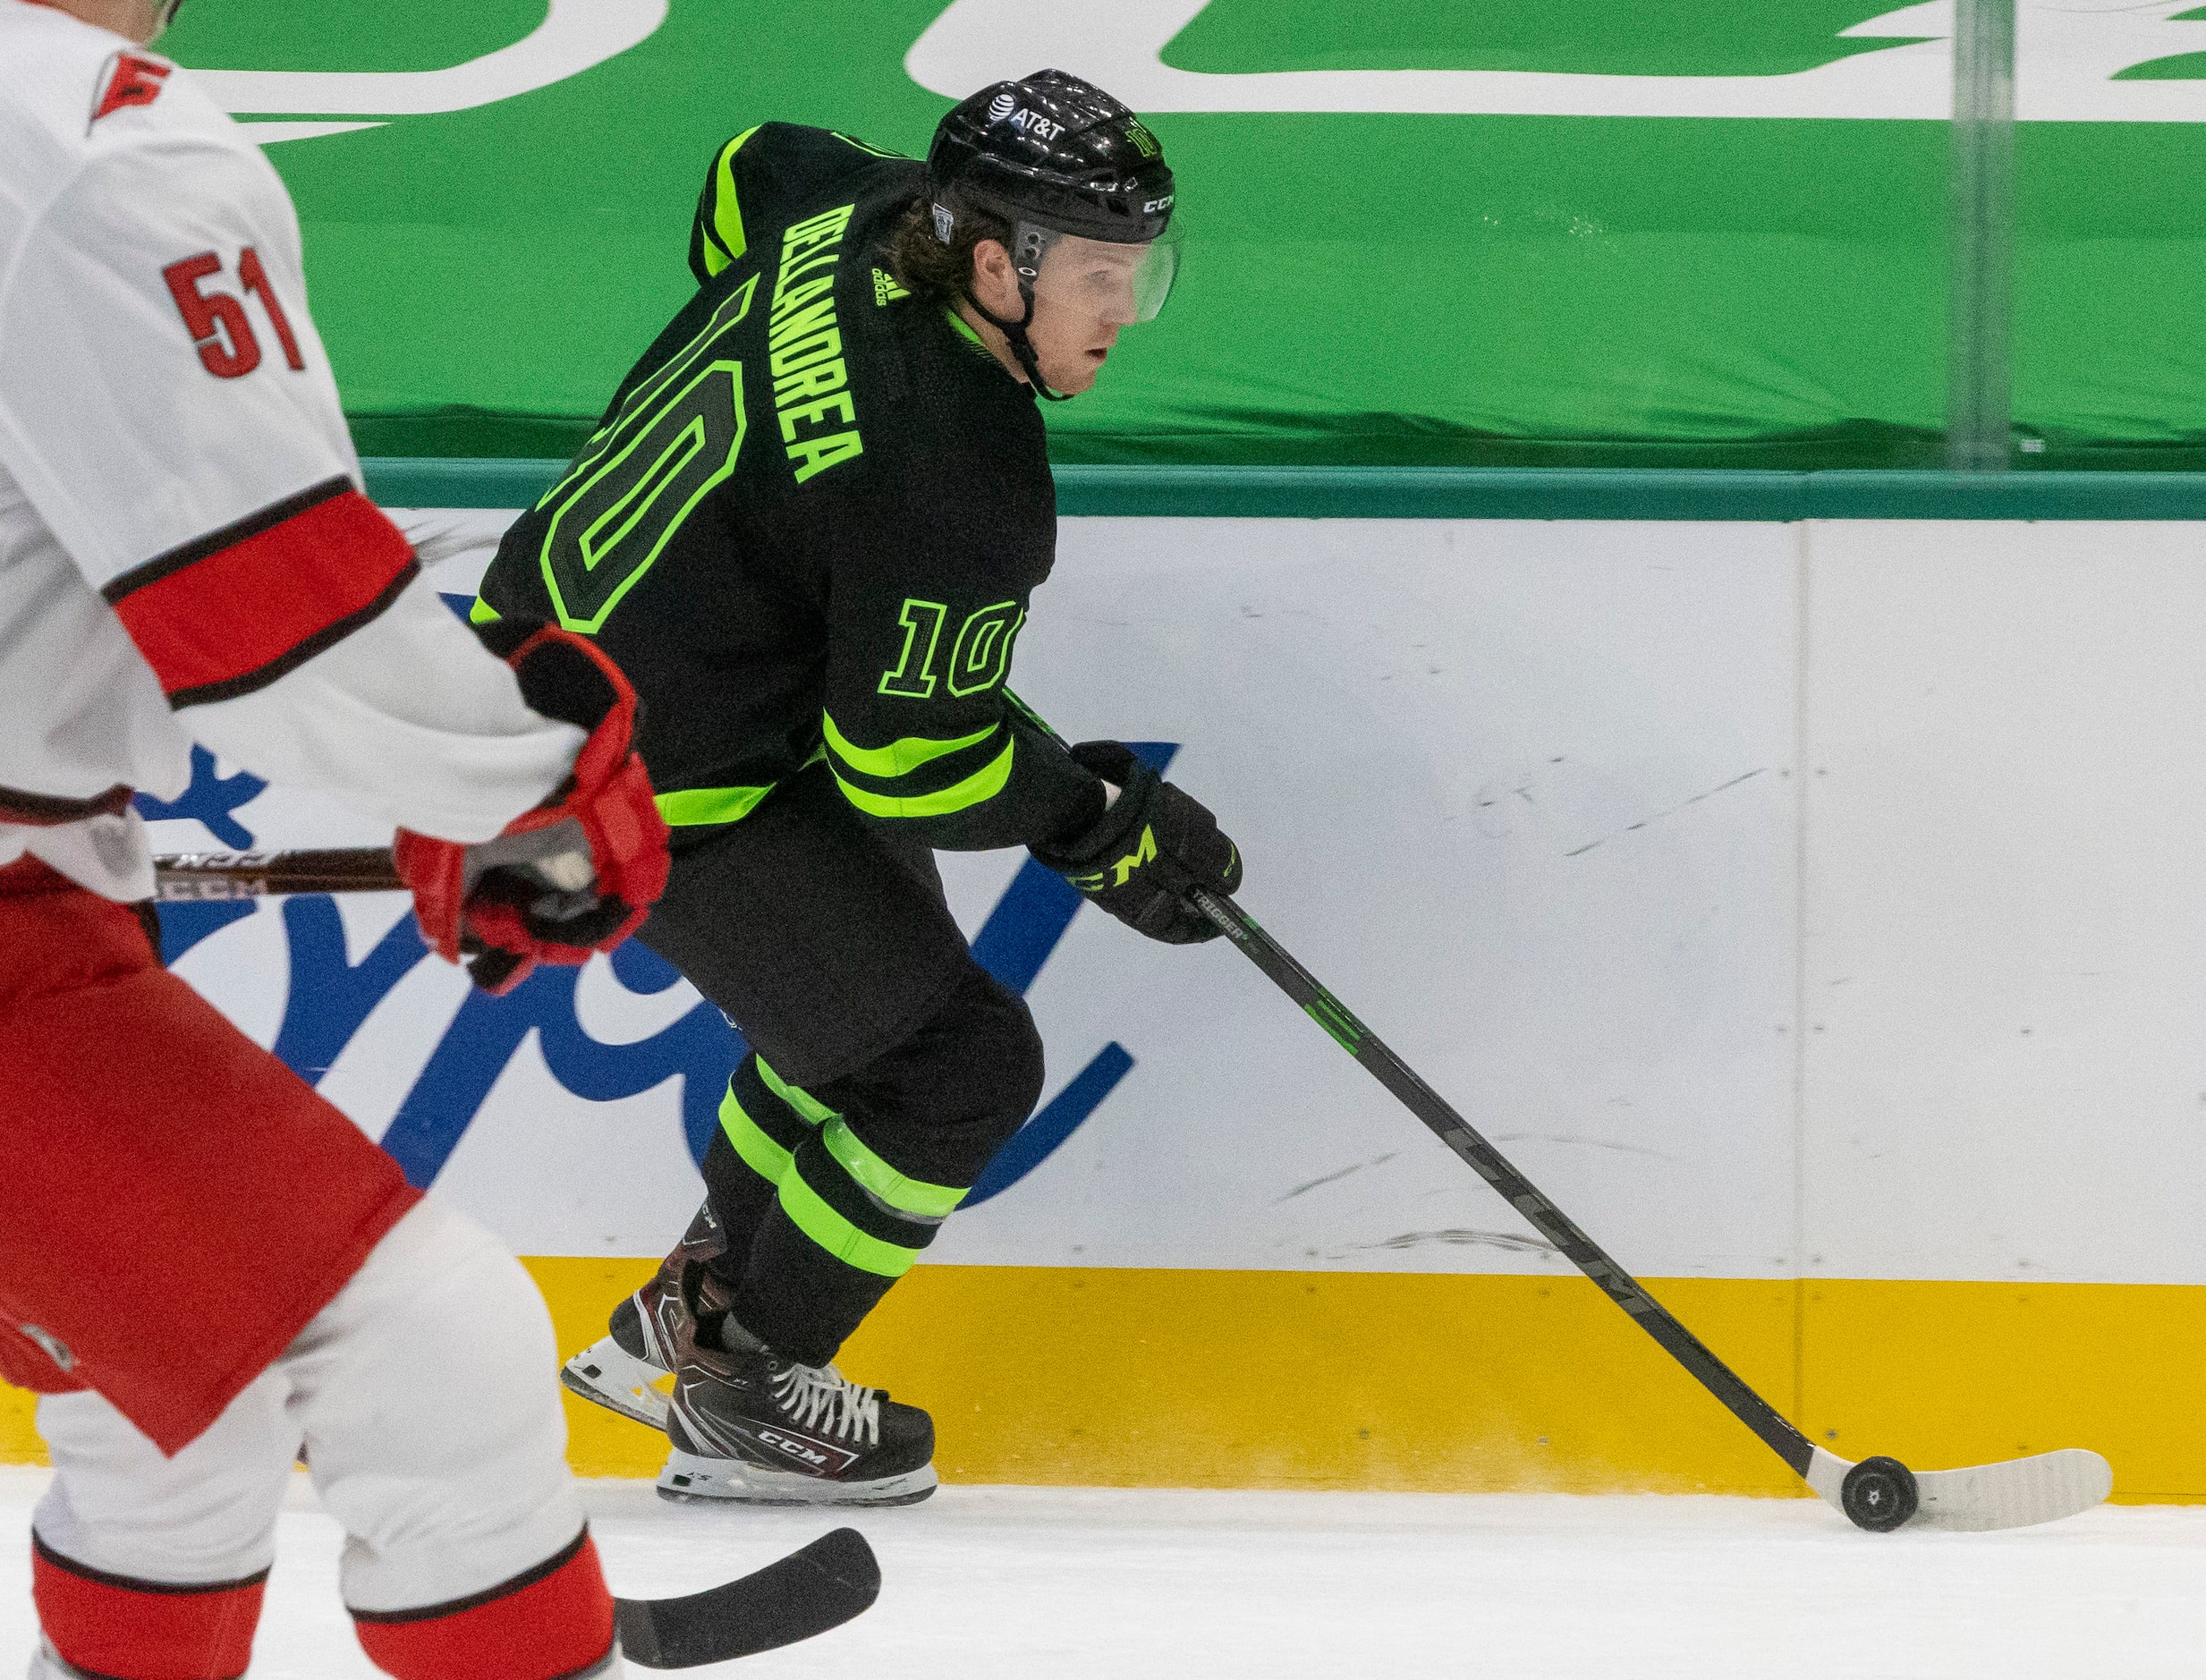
x,y
886,1066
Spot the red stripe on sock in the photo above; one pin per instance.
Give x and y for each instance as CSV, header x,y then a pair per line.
x,y
232,618
552,1624
144,1631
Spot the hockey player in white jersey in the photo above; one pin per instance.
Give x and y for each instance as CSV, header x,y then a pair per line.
x,y
202,1264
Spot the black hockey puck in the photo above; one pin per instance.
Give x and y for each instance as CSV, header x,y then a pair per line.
x,y
1878,1494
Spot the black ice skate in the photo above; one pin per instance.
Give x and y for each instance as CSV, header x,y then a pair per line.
x,y
651,1334
749,1426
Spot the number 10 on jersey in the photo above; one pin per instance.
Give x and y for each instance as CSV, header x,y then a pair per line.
x,y
979,658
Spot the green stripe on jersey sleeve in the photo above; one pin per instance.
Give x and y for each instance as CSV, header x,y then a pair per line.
x,y
983,785
693,807
724,230
899,758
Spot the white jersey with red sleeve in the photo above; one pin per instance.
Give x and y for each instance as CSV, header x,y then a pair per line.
x,y
185,552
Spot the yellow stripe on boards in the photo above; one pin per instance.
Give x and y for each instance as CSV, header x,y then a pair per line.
x,y
1066,1376
1060,1376
18,1437
1938,1374
581,1292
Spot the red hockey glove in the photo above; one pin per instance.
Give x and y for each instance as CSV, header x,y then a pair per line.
x,y
576,874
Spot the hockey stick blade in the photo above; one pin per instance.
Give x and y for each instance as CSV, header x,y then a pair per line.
x,y
2014,1493
818,1587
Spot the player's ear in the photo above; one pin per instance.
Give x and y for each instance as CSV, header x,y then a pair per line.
x,y
994,283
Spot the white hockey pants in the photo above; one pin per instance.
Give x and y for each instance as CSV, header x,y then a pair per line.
x,y
425,1400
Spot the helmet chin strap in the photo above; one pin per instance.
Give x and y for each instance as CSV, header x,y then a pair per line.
x,y
1021,346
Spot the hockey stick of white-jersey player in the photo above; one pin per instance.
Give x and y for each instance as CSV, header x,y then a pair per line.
x,y
813,1588
1878,1494
191,877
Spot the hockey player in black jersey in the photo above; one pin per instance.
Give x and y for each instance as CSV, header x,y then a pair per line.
x,y
807,527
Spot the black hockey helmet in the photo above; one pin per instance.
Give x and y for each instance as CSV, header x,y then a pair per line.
x,y
1058,159
1053,150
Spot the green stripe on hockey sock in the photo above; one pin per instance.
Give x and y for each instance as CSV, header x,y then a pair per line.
x,y
806,1104
886,1184
811,1214
760,1153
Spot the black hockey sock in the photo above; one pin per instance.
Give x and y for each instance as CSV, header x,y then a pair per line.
x,y
890,1152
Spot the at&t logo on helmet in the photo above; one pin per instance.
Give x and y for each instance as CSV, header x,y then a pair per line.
x,y
1005,107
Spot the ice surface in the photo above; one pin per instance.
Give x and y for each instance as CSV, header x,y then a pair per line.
x,y
1026,1583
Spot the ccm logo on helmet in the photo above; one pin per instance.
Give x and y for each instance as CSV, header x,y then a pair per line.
x,y
1164,203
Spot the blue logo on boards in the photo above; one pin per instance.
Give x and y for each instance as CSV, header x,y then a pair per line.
x,y
330,997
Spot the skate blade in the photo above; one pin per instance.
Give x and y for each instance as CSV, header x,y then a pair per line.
x,y
607,1375
688,1479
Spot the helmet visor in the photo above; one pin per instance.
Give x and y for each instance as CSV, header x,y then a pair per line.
x,y
1099,278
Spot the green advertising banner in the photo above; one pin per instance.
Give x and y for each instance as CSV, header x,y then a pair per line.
x,y
1680,233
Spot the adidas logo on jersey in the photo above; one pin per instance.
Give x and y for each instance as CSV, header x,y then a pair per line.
x,y
885,290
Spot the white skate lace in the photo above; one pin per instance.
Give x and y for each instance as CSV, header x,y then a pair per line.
x,y
819,1396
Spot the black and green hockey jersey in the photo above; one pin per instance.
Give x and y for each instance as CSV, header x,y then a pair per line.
x,y
809,523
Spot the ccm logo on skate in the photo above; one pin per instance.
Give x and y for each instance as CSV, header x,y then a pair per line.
x,y
789,1446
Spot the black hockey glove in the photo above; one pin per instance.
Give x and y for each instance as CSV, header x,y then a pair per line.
x,y
1141,854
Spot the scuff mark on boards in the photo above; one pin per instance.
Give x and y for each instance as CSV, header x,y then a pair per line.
x,y
1333,1178
1591,1143
1633,827
1459,1238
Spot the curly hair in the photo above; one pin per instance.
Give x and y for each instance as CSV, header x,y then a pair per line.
x,y
923,264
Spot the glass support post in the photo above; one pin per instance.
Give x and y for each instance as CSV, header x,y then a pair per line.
x,y
1979,420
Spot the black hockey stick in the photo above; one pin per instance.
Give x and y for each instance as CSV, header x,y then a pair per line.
x,y
1877,1494
818,1587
